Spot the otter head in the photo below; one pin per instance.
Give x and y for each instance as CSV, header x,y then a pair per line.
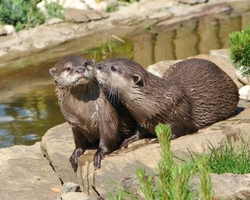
x,y
72,71
120,75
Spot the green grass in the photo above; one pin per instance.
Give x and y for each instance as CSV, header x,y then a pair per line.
x,y
228,159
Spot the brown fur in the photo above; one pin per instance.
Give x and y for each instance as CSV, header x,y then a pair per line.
x,y
85,107
194,93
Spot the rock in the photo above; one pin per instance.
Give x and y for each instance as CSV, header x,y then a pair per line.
x,y
71,188
245,92
77,15
54,21
192,1
243,79
225,185
9,29
159,68
74,196
199,12
3,30
58,154
161,15
26,174
219,57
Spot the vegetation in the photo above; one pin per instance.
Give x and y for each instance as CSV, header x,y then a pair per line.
x,y
229,159
24,14
173,180
20,13
115,6
54,10
110,48
239,50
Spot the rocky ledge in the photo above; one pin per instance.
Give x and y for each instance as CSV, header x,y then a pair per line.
x,y
28,172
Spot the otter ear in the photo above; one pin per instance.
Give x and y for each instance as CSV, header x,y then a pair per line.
x,y
137,80
52,71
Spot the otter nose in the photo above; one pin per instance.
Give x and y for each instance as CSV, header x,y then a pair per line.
x,y
80,69
99,66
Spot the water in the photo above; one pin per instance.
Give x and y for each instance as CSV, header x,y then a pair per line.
x,y
28,105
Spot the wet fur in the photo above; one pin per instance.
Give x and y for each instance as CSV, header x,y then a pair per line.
x,y
193,94
85,107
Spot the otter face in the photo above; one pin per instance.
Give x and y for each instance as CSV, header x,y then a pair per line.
x,y
73,71
115,75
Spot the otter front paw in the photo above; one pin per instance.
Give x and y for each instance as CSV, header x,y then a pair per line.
x,y
129,140
74,158
99,155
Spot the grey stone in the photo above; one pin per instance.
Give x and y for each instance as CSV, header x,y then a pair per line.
x,y
192,1
219,57
57,145
77,15
3,30
26,174
228,186
200,10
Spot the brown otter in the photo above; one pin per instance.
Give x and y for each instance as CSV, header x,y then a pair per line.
x,y
85,107
195,93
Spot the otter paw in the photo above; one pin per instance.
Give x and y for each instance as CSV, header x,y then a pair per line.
x,y
125,143
74,158
129,140
99,155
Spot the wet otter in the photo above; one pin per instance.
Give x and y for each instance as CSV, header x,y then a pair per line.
x,y
85,107
194,93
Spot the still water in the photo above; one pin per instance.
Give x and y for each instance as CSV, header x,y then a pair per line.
x,y
28,105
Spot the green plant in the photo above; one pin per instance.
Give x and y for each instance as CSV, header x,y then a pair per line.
x,y
22,14
54,10
110,48
173,180
229,159
239,50
115,6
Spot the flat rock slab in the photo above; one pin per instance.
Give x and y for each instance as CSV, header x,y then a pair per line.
x,y
26,174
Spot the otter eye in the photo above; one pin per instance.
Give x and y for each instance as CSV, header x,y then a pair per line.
x,y
113,68
86,64
67,69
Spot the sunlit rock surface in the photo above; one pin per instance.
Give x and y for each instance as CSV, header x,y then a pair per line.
x,y
26,174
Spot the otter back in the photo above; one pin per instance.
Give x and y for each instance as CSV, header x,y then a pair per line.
x,y
213,94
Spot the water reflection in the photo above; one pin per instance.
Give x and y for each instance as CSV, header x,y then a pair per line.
x,y
188,38
28,105
24,119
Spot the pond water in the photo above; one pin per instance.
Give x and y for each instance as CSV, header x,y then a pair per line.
x,y
28,105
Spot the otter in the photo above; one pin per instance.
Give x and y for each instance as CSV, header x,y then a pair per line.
x,y
84,105
194,93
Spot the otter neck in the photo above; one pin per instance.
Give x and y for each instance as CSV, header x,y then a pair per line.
x,y
80,92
